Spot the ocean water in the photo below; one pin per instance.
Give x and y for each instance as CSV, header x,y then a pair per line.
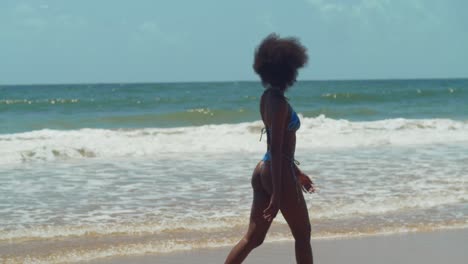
x,y
101,170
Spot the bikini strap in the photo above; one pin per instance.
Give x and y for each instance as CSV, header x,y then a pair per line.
x,y
263,131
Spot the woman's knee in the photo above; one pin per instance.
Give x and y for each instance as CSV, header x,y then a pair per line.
x,y
254,241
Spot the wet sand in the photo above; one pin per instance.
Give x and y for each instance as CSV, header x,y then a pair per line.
x,y
445,246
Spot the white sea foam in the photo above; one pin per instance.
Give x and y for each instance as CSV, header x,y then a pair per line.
x,y
182,183
47,145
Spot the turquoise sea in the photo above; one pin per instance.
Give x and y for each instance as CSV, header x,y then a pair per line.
x,y
97,170
152,105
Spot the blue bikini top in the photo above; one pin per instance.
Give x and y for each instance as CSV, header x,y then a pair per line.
x,y
294,122
293,125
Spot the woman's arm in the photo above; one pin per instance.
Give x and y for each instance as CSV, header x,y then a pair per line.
x,y
278,110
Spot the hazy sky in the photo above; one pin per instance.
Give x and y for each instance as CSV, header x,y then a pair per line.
x,y
68,41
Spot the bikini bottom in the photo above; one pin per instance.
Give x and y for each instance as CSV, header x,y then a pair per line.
x,y
293,162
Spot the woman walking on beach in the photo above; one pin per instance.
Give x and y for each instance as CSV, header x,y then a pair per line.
x,y
277,181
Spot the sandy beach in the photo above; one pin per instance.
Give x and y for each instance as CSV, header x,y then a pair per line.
x,y
444,246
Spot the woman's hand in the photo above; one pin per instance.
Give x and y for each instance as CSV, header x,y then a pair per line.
x,y
307,184
270,212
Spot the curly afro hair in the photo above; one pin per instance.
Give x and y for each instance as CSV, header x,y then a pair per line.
x,y
278,59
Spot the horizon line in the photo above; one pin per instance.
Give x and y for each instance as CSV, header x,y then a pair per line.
x,y
234,81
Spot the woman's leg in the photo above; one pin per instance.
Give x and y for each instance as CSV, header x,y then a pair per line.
x,y
258,226
295,212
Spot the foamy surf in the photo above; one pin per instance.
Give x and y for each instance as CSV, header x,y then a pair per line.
x,y
319,132
84,209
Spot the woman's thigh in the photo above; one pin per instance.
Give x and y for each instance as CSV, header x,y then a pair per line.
x,y
265,177
258,226
294,209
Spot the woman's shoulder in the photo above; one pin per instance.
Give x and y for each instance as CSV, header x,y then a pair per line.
x,y
273,103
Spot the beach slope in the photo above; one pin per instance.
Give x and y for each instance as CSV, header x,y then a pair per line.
x,y
446,246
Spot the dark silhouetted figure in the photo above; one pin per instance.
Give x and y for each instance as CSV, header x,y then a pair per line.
x,y
277,182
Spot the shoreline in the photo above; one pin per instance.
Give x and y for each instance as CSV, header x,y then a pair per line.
x,y
439,246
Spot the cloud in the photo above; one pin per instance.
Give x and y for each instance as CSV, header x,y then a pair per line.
x,y
349,8
327,6
149,27
35,23
26,17
149,40
374,13
70,21
151,32
23,9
